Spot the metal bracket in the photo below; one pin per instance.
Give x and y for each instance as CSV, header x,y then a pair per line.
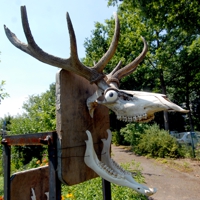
x,y
50,139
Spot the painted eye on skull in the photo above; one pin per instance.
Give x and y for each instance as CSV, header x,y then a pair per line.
x,y
111,96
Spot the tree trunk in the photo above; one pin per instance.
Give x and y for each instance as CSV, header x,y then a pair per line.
x,y
165,113
163,86
188,104
166,122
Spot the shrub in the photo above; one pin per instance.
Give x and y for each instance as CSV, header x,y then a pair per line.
x,y
117,138
157,143
22,155
132,133
197,151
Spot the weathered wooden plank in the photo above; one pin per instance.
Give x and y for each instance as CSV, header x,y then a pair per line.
x,y
23,182
73,120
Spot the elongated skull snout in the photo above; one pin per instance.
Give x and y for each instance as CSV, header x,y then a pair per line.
x,y
136,106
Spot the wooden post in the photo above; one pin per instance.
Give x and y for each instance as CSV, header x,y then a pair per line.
x,y
73,119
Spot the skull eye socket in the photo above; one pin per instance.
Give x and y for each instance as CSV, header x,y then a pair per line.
x,y
111,96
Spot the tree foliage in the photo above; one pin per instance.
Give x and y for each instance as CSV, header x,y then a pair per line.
x,y
39,116
172,63
3,94
184,14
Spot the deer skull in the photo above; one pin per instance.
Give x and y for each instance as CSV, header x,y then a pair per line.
x,y
128,105
132,106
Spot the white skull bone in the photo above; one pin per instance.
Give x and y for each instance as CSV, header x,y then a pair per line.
x,y
109,170
132,106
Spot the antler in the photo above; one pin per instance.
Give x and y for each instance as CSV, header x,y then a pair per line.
x,y
73,64
118,74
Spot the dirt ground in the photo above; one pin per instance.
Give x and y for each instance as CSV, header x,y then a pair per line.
x,y
174,179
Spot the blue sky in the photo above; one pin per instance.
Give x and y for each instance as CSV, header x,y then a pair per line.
x,y
24,75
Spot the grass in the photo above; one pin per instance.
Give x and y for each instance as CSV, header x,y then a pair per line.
x,y
179,165
92,189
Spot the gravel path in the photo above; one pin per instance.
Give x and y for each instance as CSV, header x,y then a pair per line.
x,y
170,183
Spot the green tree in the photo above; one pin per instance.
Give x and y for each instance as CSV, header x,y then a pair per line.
x,y
175,25
154,74
3,94
5,122
186,75
39,116
181,16
184,14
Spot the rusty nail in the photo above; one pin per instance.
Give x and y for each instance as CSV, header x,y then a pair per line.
x,y
46,140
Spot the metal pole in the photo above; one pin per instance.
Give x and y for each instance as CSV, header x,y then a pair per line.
x,y
192,141
54,182
6,168
106,190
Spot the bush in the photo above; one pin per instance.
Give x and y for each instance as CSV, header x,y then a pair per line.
x,y
197,152
158,143
132,133
22,155
118,138
151,141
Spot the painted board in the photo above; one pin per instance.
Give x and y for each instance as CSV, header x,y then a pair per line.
x,y
73,120
28,183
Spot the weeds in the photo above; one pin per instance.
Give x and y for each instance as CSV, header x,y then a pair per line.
x,y
92,189
179,165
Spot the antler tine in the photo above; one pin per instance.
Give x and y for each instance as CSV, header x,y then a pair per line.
x,y
128,69
73,46
71,64
113,46
110,77
34,50
116,68
15,41
94,75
